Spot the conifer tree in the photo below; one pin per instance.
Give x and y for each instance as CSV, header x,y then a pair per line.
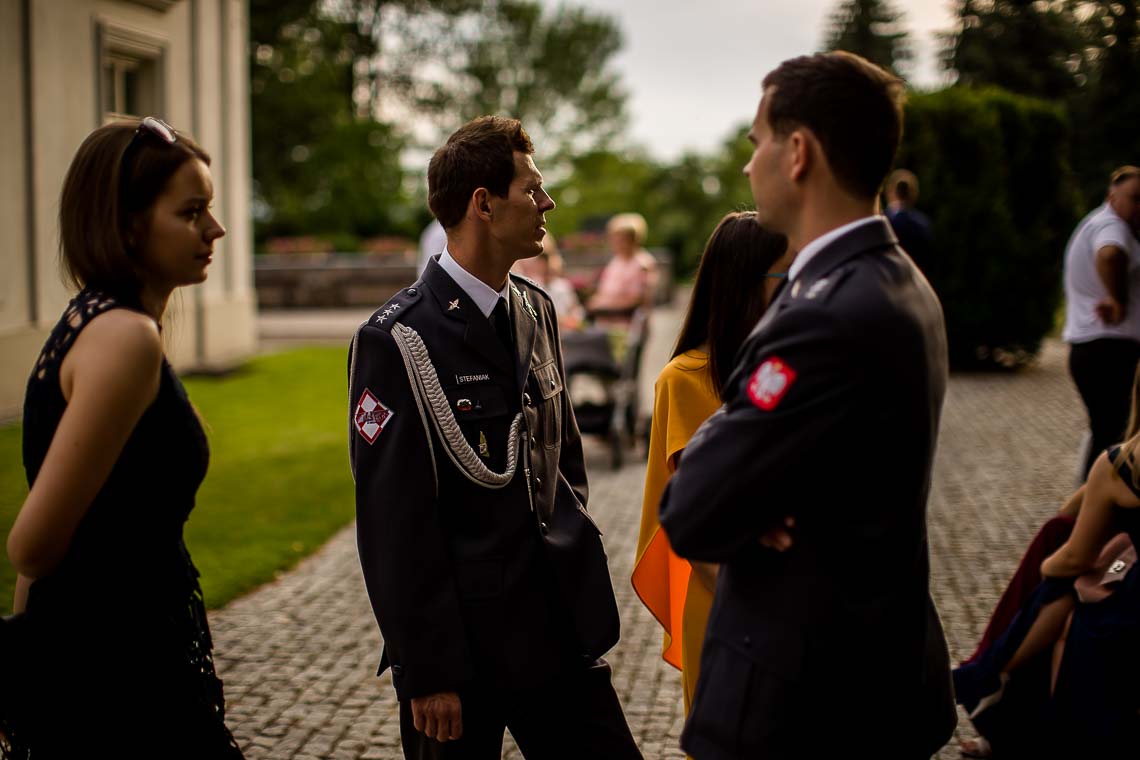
x,y
872,29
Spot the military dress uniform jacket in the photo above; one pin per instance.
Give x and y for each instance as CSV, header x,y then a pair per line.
x,y
480,559
831,417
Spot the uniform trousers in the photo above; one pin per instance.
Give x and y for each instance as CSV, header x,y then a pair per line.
x,y
1103,372
575,715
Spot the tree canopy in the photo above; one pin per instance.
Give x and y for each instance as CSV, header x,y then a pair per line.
x,y
342,89
1031,47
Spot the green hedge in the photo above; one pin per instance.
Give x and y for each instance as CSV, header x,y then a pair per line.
x,y
996,181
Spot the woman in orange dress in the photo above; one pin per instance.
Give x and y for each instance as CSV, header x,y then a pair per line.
x,y
741,266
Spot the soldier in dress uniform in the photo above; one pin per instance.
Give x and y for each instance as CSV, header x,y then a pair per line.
x,y
486,573
830,419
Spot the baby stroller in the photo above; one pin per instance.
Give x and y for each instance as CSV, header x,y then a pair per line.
x,y
601,373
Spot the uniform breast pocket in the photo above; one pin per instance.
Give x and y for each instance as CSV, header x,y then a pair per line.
x,y
546,383
481,411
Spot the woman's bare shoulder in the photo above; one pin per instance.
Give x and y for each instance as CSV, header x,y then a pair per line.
x,y
119,343
1119,482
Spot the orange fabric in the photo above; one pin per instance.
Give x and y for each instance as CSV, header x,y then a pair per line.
x,y
683,399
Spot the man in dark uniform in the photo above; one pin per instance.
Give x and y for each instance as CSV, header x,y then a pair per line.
x,y
830,420
486,574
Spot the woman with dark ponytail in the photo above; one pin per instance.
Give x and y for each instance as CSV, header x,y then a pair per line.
x,y
741,266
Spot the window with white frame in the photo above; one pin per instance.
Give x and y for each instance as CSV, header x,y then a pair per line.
x,y
130,74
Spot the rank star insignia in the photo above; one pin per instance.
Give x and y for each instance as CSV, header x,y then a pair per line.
x,y
770,382
453,305
371,416
387,313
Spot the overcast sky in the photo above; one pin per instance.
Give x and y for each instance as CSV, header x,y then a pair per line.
x,y
693,67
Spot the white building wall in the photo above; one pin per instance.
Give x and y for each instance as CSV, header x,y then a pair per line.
x,y
19,340
203,90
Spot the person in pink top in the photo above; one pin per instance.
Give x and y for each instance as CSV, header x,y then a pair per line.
x,y
629,280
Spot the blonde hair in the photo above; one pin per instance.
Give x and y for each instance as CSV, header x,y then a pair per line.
x,y
1132,435
630,222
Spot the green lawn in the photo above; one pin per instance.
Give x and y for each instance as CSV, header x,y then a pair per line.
x,y
278,485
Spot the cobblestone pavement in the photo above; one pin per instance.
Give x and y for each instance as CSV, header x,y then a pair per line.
x,y
298,656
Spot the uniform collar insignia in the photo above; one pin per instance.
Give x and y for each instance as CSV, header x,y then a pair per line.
x,y
526,300
452,305
817,287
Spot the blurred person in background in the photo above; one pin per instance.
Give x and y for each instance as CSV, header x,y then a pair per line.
x,y
546,271
629,279
432,242
1102,325
740,268
1055,674
911,226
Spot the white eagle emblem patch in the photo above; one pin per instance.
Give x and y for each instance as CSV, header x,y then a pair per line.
x,y
770,382
371,416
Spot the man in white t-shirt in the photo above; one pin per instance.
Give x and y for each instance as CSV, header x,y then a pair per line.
x,y
432,242
1102,315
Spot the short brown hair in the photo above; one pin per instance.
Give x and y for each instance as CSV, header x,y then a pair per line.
x,y
108,193
853,107
1123,174
481,153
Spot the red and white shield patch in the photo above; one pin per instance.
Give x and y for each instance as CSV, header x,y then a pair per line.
x,y
770,382
371,416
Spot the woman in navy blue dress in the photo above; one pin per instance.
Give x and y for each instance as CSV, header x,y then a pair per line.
x,y
1063,678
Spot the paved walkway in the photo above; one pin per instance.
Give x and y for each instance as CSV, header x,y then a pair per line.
x,y
298,656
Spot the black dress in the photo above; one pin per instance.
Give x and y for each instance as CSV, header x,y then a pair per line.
x,y
114,653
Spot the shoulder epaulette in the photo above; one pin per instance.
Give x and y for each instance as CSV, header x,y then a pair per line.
x,y
398,305
821,289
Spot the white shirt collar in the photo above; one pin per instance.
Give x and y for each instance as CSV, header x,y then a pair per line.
x,y
808,252
484,296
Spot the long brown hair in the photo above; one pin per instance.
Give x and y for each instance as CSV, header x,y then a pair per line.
x,y
104,208
728,295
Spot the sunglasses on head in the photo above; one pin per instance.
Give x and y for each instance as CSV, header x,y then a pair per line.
x,y
157,127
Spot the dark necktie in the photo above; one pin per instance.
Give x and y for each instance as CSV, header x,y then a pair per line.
x,y
501,321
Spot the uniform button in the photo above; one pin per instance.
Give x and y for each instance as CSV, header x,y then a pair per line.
x,y
526,399
538,482
552,384
397,670
542,527
532,444
411,291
